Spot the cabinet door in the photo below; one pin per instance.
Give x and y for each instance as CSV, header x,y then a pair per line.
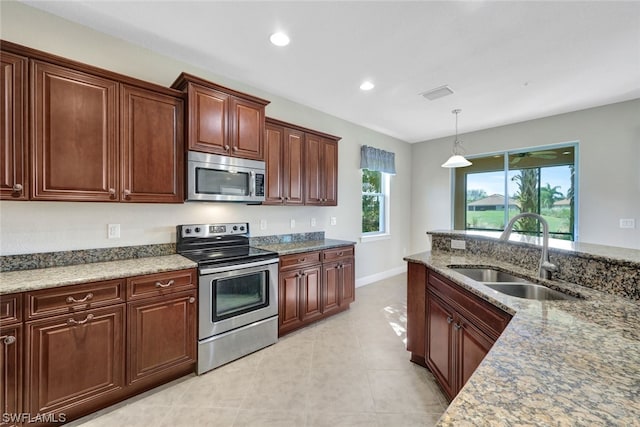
x,y
11,362
151,146
330,172
313,170
246,119
273,149
473,346
293,167
208,115
439,343
162,335
347,282
13,128
311,293
416,309
75,148
332,279
75,363
321,171
289,297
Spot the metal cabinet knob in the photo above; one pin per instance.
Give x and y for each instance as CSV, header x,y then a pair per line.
x,y
9,339
449,319
192,300
234,148
457,326
17,188
127,194
226,147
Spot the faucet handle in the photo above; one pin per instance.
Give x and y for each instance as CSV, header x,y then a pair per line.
x,y
546,265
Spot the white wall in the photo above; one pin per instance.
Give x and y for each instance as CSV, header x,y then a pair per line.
x,y
609,170
51,226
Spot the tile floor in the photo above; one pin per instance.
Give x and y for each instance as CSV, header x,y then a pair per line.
x,y
348,370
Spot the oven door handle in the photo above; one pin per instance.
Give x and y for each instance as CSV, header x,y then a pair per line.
x,y
238,266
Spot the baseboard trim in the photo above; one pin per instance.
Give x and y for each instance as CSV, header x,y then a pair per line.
x,y
367,280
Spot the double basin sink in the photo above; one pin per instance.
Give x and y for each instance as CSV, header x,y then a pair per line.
x,y
509,284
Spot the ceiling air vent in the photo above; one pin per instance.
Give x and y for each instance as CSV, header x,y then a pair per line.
x,y
438,92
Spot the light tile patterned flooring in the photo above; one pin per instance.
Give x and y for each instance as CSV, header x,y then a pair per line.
x,y
348,370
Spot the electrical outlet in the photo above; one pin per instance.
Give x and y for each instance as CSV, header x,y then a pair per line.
x,y
293,223
458,244
627,223
263,224
113,231
313,222
333,220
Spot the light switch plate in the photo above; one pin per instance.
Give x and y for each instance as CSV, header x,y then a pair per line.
x,y
263,224
113,231
458,244
293,223
333,220
627,223
313,222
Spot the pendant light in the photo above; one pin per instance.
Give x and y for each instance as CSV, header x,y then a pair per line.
x,y
456,160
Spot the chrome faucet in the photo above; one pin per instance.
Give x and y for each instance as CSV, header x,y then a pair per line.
x,y
546,267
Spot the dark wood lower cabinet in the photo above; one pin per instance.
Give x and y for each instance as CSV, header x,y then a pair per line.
x,y
311,290
162,336
75,362
11,343
449,329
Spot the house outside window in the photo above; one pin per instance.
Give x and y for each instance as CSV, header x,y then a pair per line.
x,y
499,186
375,203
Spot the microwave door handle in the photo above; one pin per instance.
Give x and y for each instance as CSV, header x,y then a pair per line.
x,y
252,183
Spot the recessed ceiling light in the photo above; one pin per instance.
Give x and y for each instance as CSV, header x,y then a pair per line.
x,y
279,39
367,85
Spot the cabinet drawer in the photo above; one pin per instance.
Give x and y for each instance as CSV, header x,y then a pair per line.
x,y
337,253
10,309
69,299
160,284
490,319
299,260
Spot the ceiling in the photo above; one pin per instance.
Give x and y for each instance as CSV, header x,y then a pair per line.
x,y
505,61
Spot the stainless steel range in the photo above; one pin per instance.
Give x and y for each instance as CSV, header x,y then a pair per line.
x,y
238,292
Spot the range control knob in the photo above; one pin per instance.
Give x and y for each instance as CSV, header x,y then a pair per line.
x,y
242,228
187,231
197,230
235,228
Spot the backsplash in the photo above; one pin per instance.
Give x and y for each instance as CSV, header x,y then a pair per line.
x,y
286,238
617,277
84,256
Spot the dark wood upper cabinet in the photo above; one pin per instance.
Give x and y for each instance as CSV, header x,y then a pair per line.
x,y
75,145
14,183
284,156
221,120
81,133
321,170
152,150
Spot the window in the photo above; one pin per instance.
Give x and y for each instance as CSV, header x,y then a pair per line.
x,y
375,202
497,187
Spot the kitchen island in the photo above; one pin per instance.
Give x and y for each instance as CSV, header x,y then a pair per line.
x,y
556,363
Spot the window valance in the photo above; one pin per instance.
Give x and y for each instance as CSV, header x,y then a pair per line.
x,y
375,159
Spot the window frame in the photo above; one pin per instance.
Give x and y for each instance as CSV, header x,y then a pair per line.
x,y
385,221
505,168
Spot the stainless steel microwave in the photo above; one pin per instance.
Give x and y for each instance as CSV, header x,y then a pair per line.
x,y
215,178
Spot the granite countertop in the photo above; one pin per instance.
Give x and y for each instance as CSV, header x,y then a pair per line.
x,y
561,363
303,246
29,280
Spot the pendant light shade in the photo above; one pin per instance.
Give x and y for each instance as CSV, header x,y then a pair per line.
x,y
456,160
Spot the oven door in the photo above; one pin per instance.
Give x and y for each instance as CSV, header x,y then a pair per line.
x,y
237,296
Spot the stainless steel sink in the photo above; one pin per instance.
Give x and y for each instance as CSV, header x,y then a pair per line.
x,y
529,291
509,284
489,275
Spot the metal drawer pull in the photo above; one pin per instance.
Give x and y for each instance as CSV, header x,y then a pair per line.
x,y
71,300
302,259
164,285
8,340
340,253
80,322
